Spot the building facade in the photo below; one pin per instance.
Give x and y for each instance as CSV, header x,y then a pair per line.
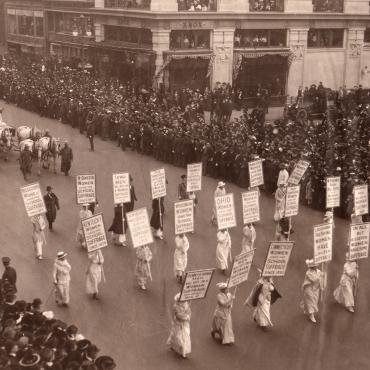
x,y
274,44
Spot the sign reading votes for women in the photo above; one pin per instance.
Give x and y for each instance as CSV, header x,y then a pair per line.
x,y
121,188
251,206
292,200
298,172
196,284
184,217
255,173
158,183
322,242
33,199
94,232
359,241
361,200
277,258
194,177
241,267
85,189
225,211
140,231
332,191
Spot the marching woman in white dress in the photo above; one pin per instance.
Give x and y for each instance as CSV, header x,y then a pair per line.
x,y
249,237
142,268
180,258
223,250
94,272
38,235
311,287
222,325
344,294
84,213
179,339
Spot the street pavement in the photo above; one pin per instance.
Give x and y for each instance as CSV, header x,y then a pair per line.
x,y
131,325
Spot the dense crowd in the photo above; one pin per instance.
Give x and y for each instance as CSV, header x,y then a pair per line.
x,y
172,128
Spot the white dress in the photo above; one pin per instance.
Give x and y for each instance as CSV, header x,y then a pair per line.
x,y
283,177
80,235
94,271
249,236
261,314
180,258
311,291
222,322
38,235
344,293
223,250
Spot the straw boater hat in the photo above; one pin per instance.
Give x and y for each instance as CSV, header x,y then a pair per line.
x,y
29,359
222,285
220,184
61,255
311,263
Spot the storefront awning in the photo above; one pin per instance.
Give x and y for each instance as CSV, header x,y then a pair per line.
x,y
262,53
182,55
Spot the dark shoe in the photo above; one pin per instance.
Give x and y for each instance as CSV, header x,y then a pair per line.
x,y
65,304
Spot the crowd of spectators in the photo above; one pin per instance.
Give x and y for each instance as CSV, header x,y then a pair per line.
x,y
265,6
197,5
172,127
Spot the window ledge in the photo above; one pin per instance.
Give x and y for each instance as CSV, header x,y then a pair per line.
x,y
322,50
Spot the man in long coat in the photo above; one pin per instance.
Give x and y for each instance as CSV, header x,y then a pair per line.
x,y
52,205
67,158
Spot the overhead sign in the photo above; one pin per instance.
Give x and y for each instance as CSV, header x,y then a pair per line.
x,y
361,199
140,231
298,172
225,211
85,189
33,199
332,191
158,183
255,173
277,258
322,242
359,241
251,206
241,267
194,177
121,188
94,232
196,284
292,200
184,217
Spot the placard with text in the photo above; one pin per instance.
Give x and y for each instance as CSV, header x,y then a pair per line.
x,y
277,258
322,242
158,183
184,217
225,211
194,177
241,267
359,241
251,206
255,173
33,199
85,188
94,232
292,200
121,188
196,284
140,231
332,191
298,172
361,199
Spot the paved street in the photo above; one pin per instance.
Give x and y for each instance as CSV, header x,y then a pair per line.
x,y
132,326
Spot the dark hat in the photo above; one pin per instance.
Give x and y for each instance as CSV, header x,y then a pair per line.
x,y
6,260
48,188
183,176
105,363
83,344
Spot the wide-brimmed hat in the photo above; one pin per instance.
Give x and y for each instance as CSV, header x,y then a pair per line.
x,y
221,184
222,285
6,260
29,359
61,255
311,263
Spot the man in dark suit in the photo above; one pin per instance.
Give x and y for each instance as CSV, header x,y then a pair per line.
x,y
52,205
9,273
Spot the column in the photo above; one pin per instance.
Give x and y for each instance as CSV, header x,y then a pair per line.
x,y
164,6
298,6
223,49
354,49
298,44
235,6
161,43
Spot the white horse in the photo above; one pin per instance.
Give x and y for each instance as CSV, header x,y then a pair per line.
x,y
25,132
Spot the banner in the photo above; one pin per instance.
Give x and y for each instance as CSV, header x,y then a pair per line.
x,y
241,267
359,241
94,232
194,177
33,199
292,200
255,173
184,217
361,200
158,183
333,192
196,284
85,189
140,231
225,211
277,259
121,188
298,172
322,242
251,206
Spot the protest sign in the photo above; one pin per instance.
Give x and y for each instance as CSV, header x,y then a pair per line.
x,y
196,284
322,242
94,232
298,172
277,258
332,191
158,183
33,199
359,241
121,188
140,231
361,200
255,173
292,200
251,206
184,217
194,177
241,267
225,211
85,189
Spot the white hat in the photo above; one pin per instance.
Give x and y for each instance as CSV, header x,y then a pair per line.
x,y
61,255
221,285
85,205
311,263
177,297
328,214
48,314
220,184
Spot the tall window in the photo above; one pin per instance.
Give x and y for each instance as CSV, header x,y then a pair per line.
x,y
325,38
367,35
73,24
195,39
266,5
197,5
25,22
137,36
260,38
12,21
127,4
331,6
